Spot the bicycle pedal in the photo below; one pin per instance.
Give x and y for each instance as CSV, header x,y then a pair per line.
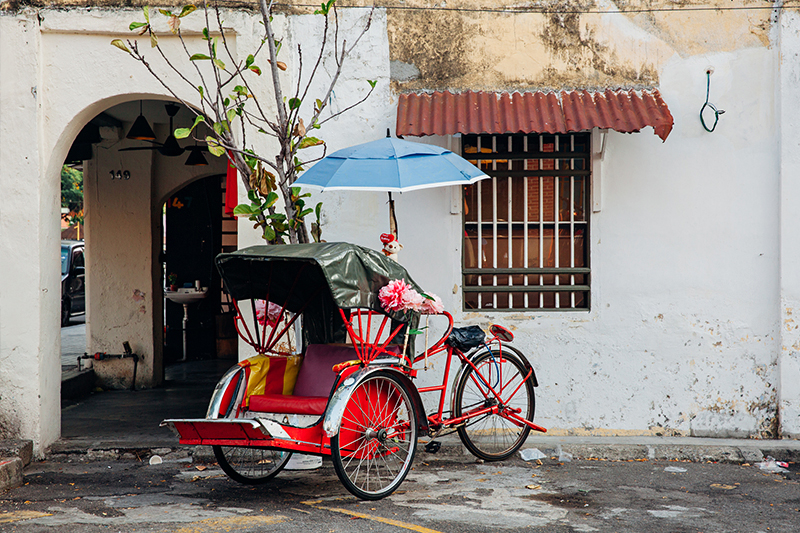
x,y
433,446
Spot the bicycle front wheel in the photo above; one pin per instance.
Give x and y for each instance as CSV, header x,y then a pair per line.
x,y
492,436
377,439
250,465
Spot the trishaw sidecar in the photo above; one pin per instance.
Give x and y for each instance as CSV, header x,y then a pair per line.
x,y
334,374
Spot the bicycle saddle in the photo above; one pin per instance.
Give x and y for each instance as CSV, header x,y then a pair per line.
x,y
466,338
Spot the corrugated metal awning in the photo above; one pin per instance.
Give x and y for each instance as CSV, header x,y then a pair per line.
x,y
445,113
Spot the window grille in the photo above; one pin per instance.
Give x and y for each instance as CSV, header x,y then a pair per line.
x,y
526,230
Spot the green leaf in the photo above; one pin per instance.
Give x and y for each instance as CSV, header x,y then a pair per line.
x,y
319,104
219,64
414,331
213,146
278,45
182,133
271,199
198,57
146,10
166,12
253,195
256,70
372,83
231,114
244,210
277,216
121,45
294,103
206,37
305,212
318,210
249,61
187,9
241,90
135,25
269,233
309,141
295,191
200,90
218,128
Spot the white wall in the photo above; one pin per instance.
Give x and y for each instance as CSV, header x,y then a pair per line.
x,y
789,346
692,252
683,335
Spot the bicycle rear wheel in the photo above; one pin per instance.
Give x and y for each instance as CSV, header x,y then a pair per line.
x,y
250,465
377,439
494,437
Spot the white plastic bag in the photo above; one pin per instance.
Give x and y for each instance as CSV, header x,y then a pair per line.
x,y
531,454
771,465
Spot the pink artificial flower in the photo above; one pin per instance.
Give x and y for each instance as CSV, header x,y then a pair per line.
x,y
413,300
269,314
392,295
432,306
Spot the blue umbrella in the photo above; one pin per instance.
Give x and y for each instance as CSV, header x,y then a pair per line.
x,y
391,165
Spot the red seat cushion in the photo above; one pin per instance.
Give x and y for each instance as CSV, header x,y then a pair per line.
x,y
278,403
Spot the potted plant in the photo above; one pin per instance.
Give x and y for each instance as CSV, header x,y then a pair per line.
x,y
172,281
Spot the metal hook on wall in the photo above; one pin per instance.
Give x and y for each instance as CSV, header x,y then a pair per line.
x,y
717,112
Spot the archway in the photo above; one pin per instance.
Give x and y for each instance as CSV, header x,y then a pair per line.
x,y
125,182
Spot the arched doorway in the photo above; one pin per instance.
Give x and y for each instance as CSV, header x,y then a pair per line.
x,y
196,230
129,168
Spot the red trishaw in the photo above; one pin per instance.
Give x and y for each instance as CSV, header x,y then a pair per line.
x,y
334,375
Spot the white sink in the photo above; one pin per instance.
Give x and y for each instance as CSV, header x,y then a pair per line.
x,y
186,296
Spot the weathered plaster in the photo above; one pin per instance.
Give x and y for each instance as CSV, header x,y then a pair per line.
x,y
693,287
554,46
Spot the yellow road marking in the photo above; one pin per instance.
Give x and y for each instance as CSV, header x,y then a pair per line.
x,y
374,518
230,523
16,516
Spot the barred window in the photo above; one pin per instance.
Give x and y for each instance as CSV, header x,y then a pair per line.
x,y
526,230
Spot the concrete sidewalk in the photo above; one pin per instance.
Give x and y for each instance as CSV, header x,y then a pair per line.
x,y
114,423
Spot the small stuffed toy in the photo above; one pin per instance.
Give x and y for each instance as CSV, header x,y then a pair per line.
x,y
390,246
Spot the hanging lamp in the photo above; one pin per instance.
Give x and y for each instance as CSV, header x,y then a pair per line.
x,y
196,158
141,130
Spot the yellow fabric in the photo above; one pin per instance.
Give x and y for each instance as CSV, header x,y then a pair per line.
x,y
260,375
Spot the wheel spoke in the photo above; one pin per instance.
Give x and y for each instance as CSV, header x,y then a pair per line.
x,y
494,436
379,414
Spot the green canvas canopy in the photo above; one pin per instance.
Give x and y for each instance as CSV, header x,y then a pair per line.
x,y
315,279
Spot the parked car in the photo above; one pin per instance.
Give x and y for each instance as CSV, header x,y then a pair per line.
x,y
73,280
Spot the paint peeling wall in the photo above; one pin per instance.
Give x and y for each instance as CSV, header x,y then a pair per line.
x,y
470,45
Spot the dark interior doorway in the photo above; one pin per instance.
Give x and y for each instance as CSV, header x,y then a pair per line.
x,y
196,231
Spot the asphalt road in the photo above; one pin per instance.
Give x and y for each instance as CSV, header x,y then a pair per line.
x,y
441,494
73,342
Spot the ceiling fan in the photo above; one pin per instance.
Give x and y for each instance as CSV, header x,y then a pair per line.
x,y
170,146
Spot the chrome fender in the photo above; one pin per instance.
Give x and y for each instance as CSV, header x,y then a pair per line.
x,y
338,401
235,372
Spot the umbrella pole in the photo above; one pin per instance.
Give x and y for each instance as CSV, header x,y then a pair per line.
x,y
392,218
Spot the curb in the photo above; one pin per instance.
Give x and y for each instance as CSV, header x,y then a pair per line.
x,y
693,449
17,448
10,473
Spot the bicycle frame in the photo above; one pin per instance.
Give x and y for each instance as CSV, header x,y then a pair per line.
x,y
437,420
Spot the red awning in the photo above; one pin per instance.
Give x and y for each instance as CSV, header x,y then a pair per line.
x,y
445,113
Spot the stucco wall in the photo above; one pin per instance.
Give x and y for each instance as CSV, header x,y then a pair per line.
x,y
692,252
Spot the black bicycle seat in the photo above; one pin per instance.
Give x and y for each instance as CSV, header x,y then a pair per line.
x,y
466,338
